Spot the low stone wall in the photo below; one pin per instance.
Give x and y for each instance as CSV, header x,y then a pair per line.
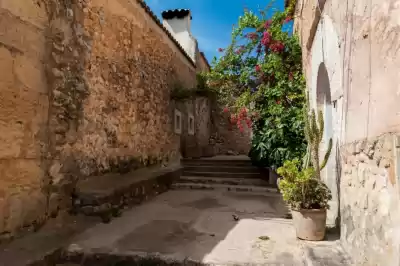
x,y
106,196
369,202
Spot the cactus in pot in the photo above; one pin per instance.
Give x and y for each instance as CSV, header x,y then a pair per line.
x,y
314,132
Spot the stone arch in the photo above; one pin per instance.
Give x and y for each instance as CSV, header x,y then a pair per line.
x,y
324,101
327,95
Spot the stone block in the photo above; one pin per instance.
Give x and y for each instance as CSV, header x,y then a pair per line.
x,y
20,174
23,210
11,139
19,104
21,199
23,117
30,72
29,11
20,36
6,67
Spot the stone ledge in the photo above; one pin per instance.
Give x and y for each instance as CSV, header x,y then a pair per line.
x,y
105,257
107,195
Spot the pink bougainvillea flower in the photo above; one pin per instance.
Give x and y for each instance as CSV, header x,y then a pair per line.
x,y
240,49
226,110
267,24
277,47
278,102
221,50
249,122
258,68
266,39
252,36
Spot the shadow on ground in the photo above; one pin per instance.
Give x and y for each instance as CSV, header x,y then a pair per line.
x,y
197,227
183,227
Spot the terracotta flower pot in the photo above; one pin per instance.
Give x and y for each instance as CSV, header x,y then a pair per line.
x,y
310,224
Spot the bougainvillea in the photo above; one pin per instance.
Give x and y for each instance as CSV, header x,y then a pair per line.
x,y
259,80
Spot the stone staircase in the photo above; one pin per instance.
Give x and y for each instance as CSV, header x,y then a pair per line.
x,y
225,173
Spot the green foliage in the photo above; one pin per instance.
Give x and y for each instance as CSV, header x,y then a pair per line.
x,y
262,71
300,188
179,93
314,132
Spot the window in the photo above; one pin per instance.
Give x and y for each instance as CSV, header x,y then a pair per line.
x,y
191,125
178,122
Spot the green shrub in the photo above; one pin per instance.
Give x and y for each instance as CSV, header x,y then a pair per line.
x,y
300,188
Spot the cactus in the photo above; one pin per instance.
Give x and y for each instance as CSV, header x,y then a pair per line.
x,y
313,130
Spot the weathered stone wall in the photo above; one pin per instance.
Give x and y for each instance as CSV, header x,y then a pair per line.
x,y
226,138
130,67
358,44
203,125
85,90
370,225
24,101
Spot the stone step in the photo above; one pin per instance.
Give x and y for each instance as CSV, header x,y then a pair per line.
x,y
222,168
223,187
224,181
210,162
221,174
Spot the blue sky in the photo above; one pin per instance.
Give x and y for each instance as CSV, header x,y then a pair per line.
x,y
212,19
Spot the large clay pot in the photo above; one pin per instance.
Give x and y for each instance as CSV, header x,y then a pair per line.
x,y
310,224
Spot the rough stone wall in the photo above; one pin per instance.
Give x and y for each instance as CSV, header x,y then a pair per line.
x,y
227,138
370,203
24,101
203,125
85,90
126,113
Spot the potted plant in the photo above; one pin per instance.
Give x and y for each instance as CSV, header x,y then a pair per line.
x,y
302,187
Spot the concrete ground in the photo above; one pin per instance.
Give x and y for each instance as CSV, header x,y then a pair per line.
x,y
199,225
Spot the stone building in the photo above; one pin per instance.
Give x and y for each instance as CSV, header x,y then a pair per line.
x,y
351,58
86,90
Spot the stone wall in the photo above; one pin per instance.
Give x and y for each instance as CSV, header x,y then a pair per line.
x,y
126,67
370,217
226,137
357,46
24,101
86,90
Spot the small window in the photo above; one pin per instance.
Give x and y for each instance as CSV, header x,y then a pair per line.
x,y
191,125
178,122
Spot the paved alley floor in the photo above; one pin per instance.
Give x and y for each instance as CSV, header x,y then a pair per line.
x,y
199,225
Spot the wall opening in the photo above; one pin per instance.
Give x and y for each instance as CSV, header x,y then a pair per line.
x,y
329,174
324,102
191,125
178,122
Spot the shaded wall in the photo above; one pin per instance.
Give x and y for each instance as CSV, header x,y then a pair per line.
x,y
24,101
359,42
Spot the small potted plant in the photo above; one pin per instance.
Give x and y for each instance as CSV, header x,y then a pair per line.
x,y
302,187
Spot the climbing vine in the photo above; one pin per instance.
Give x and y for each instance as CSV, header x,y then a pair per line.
x,y
259,78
